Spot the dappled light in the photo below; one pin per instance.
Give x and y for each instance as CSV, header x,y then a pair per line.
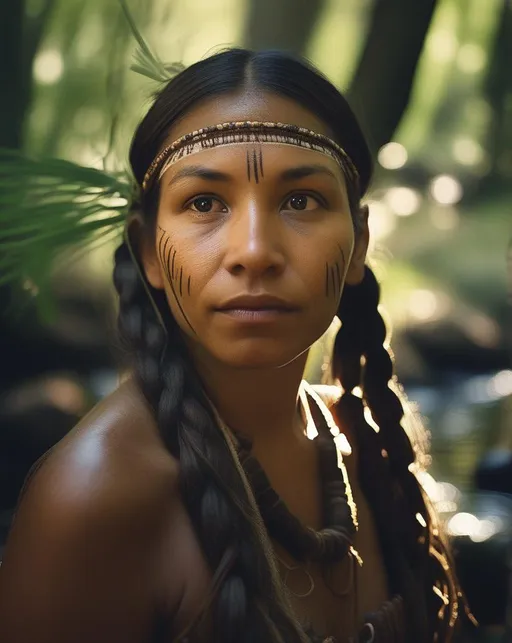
x,y
433,92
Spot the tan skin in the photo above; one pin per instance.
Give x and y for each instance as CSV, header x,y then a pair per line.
x,y
101,543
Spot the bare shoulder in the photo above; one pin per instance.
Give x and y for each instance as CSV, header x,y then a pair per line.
x,y
89,529
114,456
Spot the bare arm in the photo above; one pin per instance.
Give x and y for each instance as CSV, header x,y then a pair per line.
x,y
82,561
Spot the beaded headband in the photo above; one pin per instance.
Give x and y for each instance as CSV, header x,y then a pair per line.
x,y
248,132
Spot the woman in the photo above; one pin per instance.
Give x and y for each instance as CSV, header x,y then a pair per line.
x,y
207,499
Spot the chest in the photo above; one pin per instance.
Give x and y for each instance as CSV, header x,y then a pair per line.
x,y
331,600
334,600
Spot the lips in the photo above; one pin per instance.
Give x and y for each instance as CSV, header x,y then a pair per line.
x,y
262,302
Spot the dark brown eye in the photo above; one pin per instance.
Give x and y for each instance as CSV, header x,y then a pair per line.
x,y
205,204
301,203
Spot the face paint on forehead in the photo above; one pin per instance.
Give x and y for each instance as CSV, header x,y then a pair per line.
x,y
255,164
178,280
259,133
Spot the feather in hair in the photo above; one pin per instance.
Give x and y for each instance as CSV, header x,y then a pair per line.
x,y
145,62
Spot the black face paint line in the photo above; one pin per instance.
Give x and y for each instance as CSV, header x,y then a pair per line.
x,y
333,279
172,262
333,273
166,250
340,270
255,164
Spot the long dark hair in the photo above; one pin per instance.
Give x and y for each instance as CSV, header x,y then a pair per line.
x,y
250,604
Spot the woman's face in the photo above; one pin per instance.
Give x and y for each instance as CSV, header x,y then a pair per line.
x,y
253,242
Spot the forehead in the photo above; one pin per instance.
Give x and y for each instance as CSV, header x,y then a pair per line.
x,y
271,159
246,106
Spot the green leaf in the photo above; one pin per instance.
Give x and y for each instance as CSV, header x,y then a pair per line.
x,y
50,207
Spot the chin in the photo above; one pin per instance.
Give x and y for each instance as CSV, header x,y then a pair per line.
x,y
259,354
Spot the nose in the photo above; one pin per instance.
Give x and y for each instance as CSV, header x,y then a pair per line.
x,y
254,243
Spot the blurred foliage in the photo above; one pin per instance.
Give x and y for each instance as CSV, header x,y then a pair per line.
x,y
440,248
86,104
431,83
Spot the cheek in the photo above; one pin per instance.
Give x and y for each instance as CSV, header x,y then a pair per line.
x,y
183,273
325,263
335,270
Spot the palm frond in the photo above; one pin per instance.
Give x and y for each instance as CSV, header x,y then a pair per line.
x,y
51,206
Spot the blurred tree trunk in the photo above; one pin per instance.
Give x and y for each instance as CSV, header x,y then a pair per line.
x,y
498,89
12,106
20,346
281,24
19,40
20,37
382,83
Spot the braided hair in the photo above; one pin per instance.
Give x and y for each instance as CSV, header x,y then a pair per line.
x,y
407,524
248,600
249,603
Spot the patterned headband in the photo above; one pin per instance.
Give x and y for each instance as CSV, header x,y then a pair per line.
x,y
248,132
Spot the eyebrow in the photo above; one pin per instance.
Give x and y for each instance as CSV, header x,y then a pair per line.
x,y
303,171
208,174
200,172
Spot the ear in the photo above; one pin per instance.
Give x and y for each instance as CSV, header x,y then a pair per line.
x,y
355,272
146,251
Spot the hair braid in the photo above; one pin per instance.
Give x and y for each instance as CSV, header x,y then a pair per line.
x,y
360,359
249,603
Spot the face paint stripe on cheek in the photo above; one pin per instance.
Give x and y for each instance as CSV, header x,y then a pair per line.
x,y
333,276
166,260
181,281
160,247
188,286
162,253
167,263
168,256
261,162
172,263
339,275
343,266
161,242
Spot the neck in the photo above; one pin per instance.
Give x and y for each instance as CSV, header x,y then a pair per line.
x,y
260,404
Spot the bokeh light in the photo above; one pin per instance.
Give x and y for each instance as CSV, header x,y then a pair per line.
x,y
48,67
471,58
392,156
426,305
467,151
501,384
446,189
381,221
403,201
442,45
478,530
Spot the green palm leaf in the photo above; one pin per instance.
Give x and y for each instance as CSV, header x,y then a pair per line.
x,y
51,206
